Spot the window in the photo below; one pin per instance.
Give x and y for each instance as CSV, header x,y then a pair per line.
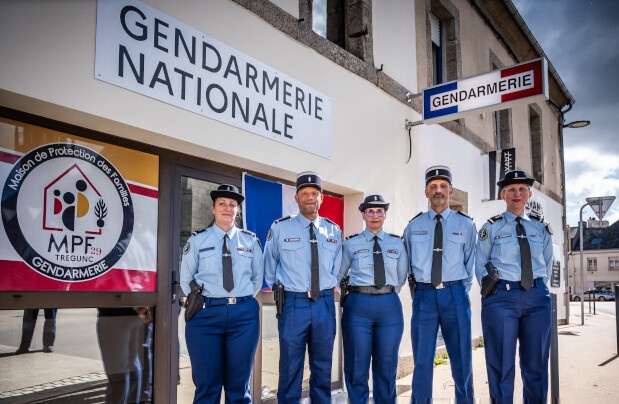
x,y
535,131
437,50
442,36
613,263
502,118
346,23
592,264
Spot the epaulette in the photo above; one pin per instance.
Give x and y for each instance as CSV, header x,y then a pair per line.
x,y
495,218
198,231
540,219
251,233
331,221
352,235
418,214
281,219
395,235
465,215
537,217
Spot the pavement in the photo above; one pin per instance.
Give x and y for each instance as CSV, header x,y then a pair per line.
x,y
588,370
588,365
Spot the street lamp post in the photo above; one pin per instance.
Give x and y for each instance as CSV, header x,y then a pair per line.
x,y
566,235
600,206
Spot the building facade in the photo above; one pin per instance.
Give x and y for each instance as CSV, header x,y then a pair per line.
x,y
166,100
600,258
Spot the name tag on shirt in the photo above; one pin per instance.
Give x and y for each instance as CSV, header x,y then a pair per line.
x,y
289,240
207,249
503,236
419,232
330,240
392,251
361,251
245,249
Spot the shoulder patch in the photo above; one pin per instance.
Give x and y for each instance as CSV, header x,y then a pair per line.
x,y
416,216
395,235
270,235
548,228
352,235
198,231
186,248
537,217
281,219
483,233
495,219
465,215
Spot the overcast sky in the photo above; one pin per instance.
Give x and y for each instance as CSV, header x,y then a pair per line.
x,y
581,40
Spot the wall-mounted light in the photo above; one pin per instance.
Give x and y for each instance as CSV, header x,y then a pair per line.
x,y
409,97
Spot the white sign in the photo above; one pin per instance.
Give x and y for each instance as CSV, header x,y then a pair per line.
x,y
144,50
525,82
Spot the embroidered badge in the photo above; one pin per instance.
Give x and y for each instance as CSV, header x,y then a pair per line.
x,y
270,235
186,249
483,234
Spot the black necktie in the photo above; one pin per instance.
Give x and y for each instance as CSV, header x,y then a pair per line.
x,y
315,292
526,278
226,261
379,265
437,253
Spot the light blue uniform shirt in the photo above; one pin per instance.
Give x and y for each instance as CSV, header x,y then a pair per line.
x,y
358,256
287,253
498,244
202,262
459,235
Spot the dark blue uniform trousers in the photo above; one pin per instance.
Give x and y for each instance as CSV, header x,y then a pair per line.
x,y
372,327
312,324
450,307
222,342
511,316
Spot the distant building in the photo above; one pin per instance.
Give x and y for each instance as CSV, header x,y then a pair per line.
x,y
600,256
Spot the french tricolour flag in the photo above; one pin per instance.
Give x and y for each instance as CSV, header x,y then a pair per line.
x,y
267,201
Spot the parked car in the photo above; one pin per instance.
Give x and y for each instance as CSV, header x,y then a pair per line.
x,y
601,295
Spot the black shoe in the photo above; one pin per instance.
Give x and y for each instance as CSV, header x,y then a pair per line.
x,y
21,351
48,349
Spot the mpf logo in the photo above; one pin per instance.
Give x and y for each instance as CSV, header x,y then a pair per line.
x,y
67,211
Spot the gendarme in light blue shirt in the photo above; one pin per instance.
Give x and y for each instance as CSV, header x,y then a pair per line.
x,y
498,244
202,262
287,253
357,255
459,234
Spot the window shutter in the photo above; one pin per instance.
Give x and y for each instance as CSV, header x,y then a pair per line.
x,y
435,30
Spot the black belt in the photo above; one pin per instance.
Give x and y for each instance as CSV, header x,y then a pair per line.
x,y
372,290
224,301
323,293
446,284
513,285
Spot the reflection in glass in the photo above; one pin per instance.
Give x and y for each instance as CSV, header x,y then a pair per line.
x,y
125,340
74,371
